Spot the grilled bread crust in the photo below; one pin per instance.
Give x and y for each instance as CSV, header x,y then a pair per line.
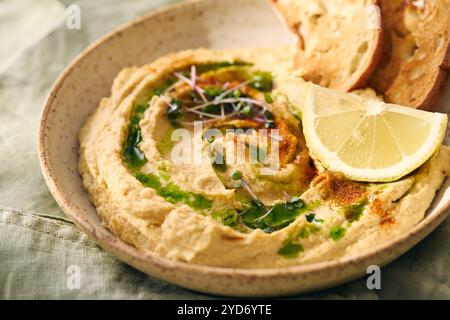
x,y
416,53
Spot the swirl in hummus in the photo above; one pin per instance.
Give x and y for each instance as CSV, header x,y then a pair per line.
x,y
228,214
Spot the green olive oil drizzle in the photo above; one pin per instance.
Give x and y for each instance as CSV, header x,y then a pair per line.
x,y
292,247
281,214
173,193
354,212
135,159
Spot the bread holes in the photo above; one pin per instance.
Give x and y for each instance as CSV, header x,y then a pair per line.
x,y
414,74
439,41
324,82
354,63
356,60
413,51
314,19
410,49
312,77
363,47
316,78
401,32
301,35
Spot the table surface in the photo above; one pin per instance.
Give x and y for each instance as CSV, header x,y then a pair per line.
x,y
42,254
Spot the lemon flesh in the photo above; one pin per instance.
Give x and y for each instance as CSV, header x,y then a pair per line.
x,y
368,140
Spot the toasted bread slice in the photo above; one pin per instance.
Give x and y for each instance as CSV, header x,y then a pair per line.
x,y
416,51
340,41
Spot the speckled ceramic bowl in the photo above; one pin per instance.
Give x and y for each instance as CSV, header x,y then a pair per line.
x,y
207,23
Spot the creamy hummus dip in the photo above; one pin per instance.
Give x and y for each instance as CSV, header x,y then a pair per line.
x,y
227,213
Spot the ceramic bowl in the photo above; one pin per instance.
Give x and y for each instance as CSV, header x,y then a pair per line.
x,y
202,23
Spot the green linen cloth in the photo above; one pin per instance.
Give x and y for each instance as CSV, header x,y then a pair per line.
x,y
38,244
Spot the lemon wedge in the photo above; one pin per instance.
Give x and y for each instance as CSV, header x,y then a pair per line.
x,y
368,140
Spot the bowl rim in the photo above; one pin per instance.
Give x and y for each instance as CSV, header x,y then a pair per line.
x,y
103,237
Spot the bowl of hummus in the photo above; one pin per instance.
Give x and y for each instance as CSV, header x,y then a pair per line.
x,y
182,153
